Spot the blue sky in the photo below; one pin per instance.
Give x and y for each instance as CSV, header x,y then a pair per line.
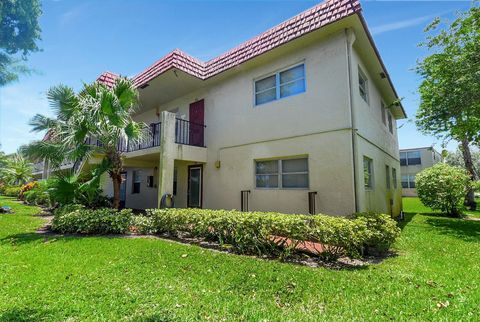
x,y
80,39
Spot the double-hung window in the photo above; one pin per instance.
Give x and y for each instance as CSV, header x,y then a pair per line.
x,y
363,85
137,179
284,173
384,110
368,172
279,85
408,181
390,122
394,177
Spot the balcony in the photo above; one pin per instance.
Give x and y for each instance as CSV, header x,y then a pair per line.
x,y
186,133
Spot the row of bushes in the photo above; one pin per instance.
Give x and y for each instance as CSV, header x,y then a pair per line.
x,y
261,233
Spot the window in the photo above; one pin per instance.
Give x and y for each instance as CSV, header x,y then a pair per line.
x,y
286,173
384,116
394,177
282,84
410,158
368,172
136,181
387,172
408,181
390,122
363,85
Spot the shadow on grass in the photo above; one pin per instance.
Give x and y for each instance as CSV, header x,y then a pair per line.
x,y
466,230
24,314
407,219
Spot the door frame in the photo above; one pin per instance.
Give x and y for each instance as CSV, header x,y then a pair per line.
x,y
125,190
201,185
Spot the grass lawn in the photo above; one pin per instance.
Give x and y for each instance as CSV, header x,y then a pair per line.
x,y
434,277
414,205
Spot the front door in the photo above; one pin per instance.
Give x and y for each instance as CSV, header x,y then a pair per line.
x,y
197,121
123,190
195,187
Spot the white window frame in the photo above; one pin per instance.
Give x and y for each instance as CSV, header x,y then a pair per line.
x,y
383,108
280,174
370,187
390,122
409,181
363,75
394,178
277,83
136,180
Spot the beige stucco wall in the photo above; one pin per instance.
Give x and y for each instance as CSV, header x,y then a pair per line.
x,y
316,124
375,141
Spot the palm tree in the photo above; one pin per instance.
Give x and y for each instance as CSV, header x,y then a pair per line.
x,y
98,112
17,170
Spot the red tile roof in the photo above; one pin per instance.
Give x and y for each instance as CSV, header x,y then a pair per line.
x,y
312,19
107,78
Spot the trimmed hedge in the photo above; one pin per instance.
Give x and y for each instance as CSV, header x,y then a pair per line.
x,y
99,221
260,233
266,233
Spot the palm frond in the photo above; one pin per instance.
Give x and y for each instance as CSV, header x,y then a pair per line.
x,y
63,100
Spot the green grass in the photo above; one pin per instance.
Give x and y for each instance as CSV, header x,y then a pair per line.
x,y
138,279
414,205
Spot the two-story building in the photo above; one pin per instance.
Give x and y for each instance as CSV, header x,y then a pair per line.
x,y
412,161
299,119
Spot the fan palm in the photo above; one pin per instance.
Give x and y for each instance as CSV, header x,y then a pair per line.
x,y
17,170
99,112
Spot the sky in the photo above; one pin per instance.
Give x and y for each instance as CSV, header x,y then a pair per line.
x,y
83,38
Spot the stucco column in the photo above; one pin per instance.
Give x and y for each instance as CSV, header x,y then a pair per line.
x,y
167,155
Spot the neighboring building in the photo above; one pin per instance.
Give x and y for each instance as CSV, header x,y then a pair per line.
x,y
412,161
301,116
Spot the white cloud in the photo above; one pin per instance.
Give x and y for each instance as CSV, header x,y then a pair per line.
x,y
402,24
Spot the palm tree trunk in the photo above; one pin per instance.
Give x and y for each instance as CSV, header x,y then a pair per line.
x,y
116,175
467,158
117,181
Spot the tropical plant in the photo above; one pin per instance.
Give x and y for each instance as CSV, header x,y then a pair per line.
x,y
98,112
17,171
450,90
443,187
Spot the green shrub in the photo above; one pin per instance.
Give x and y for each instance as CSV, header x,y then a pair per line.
x,y
98,221
443,187
12,191
38,195
266,233
379,232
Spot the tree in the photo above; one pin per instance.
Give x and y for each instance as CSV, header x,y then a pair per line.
x,y
17,171
456,159
443,187
19,32
450,89
97,114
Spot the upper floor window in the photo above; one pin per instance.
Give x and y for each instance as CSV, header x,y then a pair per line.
x,y
410,158
368,172
390,122
286,173
363,85
384,116
282,84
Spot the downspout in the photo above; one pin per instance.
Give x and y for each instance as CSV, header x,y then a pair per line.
x,y
349,40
